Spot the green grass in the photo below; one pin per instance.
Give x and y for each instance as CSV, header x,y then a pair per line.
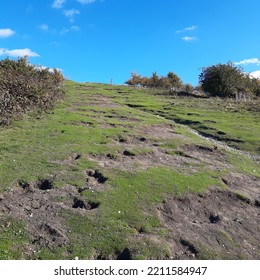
x,y
32,149
13,238
225,120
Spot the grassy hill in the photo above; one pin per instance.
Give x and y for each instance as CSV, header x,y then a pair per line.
x,y
121,173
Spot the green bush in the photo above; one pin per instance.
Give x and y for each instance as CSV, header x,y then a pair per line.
x,y
227,80
24,87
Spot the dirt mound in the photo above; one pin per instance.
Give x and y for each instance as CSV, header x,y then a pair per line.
x,y
40,206
217,224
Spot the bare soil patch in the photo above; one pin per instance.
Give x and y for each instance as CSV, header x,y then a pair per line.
x,y
40,206
160,131
216,224
189,157
247,187
70,160
102,102
128,158
213,156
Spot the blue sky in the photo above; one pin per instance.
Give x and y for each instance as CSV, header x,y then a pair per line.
x,y
99,40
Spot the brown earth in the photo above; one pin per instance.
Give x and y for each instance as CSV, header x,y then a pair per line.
x,y
148,153
221,223
42,207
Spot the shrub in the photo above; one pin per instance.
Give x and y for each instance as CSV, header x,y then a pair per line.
x,y
24,87
225,80
172,81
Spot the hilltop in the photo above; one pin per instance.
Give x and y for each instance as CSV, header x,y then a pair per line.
x,y
117,172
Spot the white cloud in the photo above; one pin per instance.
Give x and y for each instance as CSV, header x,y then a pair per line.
x,y
255,74
7,32
248,61
73,28
44,27
18,52
190,28
58,4
86,1
71,13
188,38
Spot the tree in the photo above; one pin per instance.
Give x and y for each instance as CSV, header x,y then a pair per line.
x,y
170,82
254,85
164,83
223,80
155,80
135,80
188,88
174,80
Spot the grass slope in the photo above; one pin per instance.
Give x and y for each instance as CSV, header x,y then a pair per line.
x,y
106,162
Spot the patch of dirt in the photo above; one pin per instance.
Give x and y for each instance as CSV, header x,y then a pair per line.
x,y
160,131
79,203
94,181
103,102
96,174
107,125
70,160
127,160
100,101
216,224
212,156
247,187
40,206
87,124
189,157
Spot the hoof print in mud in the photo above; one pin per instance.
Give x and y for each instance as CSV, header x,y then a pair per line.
x,y
45,184
214,218
100,178
124,255
90,205
189,247
128,153
51,236
24,185
257,202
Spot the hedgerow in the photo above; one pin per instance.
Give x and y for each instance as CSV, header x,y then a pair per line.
x,y
24,87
